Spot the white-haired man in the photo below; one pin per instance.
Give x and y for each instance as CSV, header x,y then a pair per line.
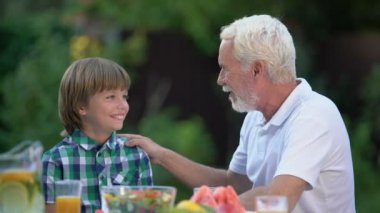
x,y
293,141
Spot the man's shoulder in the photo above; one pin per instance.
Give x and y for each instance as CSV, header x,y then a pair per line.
x,y
317,110
317,103
312,100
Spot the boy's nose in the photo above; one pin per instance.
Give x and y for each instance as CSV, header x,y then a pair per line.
x,y
123,103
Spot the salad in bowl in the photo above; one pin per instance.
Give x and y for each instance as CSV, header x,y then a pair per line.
x,y
144,199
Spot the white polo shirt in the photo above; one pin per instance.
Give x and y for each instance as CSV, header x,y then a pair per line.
x,y
306,138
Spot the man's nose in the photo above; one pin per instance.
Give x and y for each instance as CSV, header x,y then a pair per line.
x,y
221,79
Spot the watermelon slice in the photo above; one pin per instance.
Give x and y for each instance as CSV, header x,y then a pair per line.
x,y
223,200
205,197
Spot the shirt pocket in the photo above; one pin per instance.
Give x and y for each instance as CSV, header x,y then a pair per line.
x,y
128,177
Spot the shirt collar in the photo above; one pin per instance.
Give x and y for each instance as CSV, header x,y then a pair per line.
x,y
88,143
291,103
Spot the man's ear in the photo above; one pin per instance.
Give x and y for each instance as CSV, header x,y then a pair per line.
x,y
258,68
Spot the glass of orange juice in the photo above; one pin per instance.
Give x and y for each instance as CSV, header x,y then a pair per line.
x,y
68,193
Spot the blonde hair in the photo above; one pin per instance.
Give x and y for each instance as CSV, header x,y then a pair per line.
x,y
82,79
262,37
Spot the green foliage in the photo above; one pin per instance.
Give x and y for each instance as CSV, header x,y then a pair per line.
x,y
134,48
15,43
364,153
366,175
30,94
200,20
324,17
371,96
30,99
187,137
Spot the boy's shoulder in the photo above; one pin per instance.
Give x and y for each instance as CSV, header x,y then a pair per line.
x,y
65,143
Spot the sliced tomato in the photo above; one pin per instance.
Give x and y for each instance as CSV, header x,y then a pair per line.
x,y
152,194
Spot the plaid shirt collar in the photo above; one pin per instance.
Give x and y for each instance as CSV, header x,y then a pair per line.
x,y
88,143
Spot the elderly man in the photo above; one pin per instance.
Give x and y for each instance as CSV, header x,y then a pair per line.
x,y
293,141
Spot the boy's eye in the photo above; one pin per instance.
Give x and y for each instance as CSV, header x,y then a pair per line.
x,y
110,97
126,97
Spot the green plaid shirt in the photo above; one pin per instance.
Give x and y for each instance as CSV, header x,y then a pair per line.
x,y
79,157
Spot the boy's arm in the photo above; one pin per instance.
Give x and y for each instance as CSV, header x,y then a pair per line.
x,y
50,173
146,174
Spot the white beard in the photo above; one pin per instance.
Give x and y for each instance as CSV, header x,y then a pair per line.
x,y
239,105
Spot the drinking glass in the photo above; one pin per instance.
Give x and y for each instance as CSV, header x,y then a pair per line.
x,y
68,193
271,204
212,188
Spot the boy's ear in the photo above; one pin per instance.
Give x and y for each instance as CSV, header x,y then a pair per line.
x,y
81,110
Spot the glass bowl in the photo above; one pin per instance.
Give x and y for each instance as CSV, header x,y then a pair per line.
x,y
142,199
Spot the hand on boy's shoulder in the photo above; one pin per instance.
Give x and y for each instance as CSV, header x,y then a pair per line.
x,y
148,145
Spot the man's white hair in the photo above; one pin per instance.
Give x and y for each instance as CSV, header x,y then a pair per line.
x,y
262,37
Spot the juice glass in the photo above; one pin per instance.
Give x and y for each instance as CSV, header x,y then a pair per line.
x,y
271,204
20,170
212,188
68,194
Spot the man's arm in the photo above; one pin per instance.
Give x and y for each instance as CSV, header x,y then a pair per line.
x,y
241,183
290,186
191,173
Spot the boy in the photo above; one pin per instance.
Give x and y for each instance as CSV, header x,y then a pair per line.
x,y
92,106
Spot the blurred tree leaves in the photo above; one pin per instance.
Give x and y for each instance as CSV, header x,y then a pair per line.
x,y
29,93
134,48
198,19
187,137
367,175
365,137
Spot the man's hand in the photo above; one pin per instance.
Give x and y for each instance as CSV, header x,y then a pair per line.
x,y
148,145
287,185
